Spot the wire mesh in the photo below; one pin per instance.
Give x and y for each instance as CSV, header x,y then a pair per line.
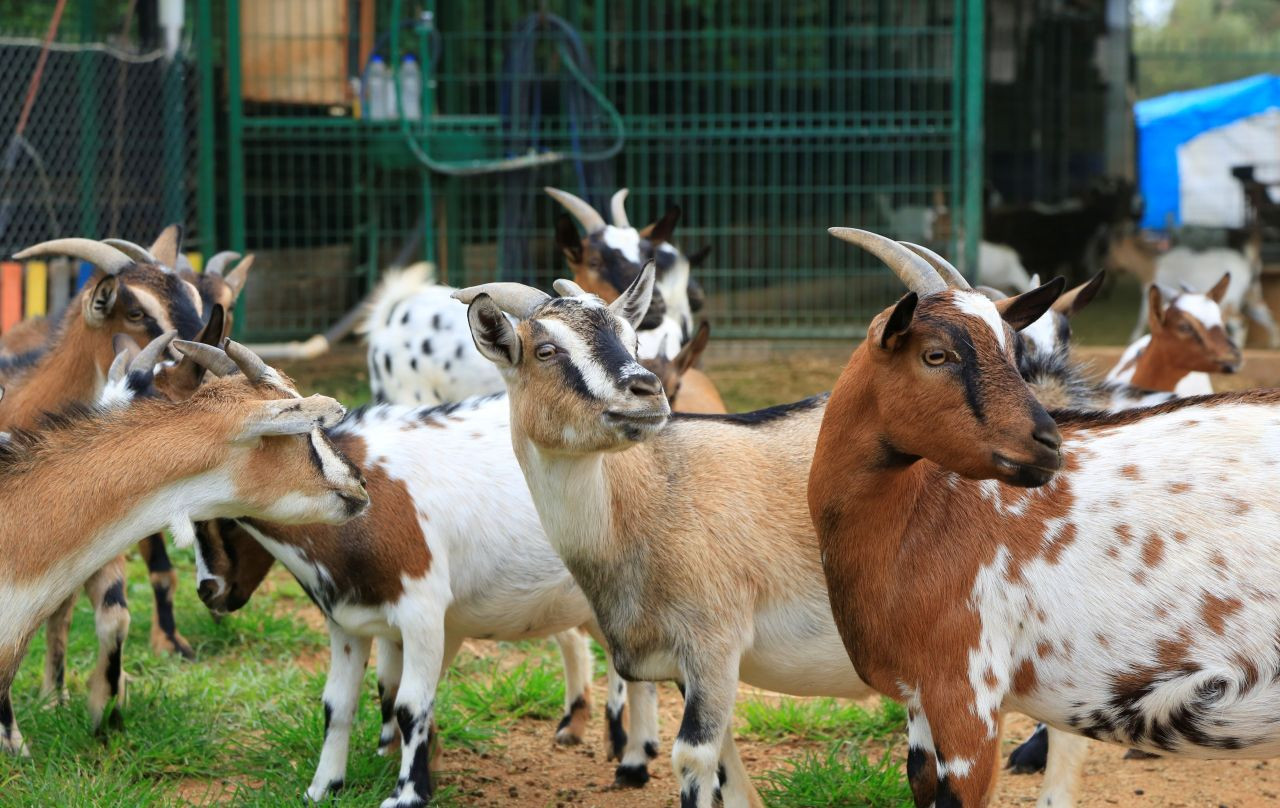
x,y
109,148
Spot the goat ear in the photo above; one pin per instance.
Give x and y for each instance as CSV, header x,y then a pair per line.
x,y
696,258
100,300
187,375
1219,289
168,245
1155,308
237,277
697,297
657,310
1075,299
661,230
1022,310
890,332
291,416
633,304
691,353
492,332
567,238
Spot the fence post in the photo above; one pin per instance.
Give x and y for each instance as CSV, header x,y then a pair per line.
x,y
974,147
235,146
206,207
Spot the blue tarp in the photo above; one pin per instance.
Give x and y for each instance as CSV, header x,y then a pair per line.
x,y
1165,123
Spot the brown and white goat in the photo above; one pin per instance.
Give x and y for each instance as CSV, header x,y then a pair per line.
x,y
129,293
247,445
1188,341
1091,574
686,390
451,548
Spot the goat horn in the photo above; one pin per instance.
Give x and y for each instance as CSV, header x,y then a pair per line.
x,y
219,262
618,206
515,299
250,364
909,267
137,252
149,357
586,215
567,288
215,360
119,367
103,256
944,267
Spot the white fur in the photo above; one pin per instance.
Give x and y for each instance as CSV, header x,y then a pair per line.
x,y
625,240
975,304
1000,267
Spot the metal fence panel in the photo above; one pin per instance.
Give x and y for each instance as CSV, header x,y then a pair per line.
x,y
766,122
107,146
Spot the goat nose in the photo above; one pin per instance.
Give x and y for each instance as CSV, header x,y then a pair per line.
x,y
644,386
1046,431
207,589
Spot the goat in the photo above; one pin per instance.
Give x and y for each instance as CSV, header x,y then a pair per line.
x,y
218,290
694,397
451,548
1119,597
1187,267
247,445
687,533
131,293
1187,342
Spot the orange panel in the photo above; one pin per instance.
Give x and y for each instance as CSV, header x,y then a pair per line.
x,y
10,294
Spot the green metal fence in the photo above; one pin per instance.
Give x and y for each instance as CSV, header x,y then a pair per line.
x,y
1170,66
766,122
102,139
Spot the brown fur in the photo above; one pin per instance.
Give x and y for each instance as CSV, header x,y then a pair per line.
x,y
1181,344
28,335
688,389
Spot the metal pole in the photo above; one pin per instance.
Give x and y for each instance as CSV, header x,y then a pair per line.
x,y
235,146
206,206
174,137
88,152
974,146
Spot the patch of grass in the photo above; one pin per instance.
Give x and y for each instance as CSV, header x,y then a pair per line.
x,y
841,777
821,720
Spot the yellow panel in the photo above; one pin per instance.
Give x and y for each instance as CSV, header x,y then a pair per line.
x,y
37,291
197,261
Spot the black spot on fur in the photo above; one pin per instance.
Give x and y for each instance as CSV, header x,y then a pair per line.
x,y
114,596
413,363
328,718
650,749
722,776
158,556
946,798
426,347
386,362
113,670
164,610
447,365
457,354
916,760
617,733
694,728
6,712
435,321
405,319
689,796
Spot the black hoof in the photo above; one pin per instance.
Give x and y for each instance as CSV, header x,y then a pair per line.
x,y
630,776
1030,757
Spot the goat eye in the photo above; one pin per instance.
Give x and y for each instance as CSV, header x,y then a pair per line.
x,y
545,351
135,315
935,357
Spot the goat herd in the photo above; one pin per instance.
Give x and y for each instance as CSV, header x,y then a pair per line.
x,y
968,523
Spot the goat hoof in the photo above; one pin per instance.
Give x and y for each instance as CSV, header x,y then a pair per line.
x,y
1030,757
15,747
388,748
566,737
632,776
404,801
1138,754
177,644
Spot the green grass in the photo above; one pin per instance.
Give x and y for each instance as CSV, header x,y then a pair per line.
x,y
842,777
821,720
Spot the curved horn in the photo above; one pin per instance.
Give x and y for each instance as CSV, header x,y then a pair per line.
x,y
215,360
944,267
515,299
103,256
909,267
137,252
567,288
216,264
586,215
250,364
149,357
119,366
617,206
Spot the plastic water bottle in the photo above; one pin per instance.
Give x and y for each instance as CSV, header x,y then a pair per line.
x,y
410,88
377,84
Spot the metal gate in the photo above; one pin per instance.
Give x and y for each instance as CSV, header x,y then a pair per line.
x,y
766,122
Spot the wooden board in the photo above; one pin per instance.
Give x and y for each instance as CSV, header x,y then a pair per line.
x,y
295,51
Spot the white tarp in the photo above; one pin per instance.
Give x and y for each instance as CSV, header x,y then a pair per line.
x,y
1208,194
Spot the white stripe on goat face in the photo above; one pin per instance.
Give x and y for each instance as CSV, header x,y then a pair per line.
x,y
334,467
601,381
625,240
975,304
1200,307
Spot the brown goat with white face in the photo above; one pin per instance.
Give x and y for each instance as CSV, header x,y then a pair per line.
x,y
132,293
246,445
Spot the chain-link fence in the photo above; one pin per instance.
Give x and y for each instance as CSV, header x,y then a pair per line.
x,y
98,128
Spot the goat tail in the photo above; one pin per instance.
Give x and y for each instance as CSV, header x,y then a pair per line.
x,y
396,287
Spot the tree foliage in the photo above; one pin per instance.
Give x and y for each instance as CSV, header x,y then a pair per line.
x,y
1206,42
